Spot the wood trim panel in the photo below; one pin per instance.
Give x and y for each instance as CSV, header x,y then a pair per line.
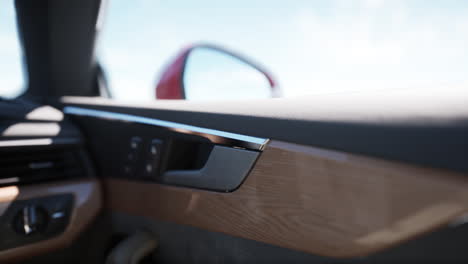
x,y
323,202
88,202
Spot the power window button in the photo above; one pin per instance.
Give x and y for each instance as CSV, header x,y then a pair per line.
x,y
152,158
135,143
131,157
154,149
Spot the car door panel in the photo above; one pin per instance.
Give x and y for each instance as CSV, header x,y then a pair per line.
x,y
310,203
317,200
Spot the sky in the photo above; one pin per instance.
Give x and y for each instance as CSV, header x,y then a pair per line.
x,y
311,47
12,81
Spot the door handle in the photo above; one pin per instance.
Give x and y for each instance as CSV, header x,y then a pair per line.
x,y
225,170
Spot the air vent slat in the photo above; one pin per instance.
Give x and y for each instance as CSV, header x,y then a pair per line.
x,y
36,166
22,157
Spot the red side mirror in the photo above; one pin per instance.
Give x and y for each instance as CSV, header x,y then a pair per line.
x,y
172,86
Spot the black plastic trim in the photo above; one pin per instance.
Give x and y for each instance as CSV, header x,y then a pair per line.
x,y
225,169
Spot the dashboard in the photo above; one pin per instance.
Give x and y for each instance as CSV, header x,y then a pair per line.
x,y
48,193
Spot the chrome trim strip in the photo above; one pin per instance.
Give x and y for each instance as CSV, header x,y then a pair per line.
x,y
215,136
26,142
38,142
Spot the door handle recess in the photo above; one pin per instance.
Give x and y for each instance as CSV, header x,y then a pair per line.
x,y
225,169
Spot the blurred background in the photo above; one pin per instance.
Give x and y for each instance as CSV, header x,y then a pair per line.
x,y
312,47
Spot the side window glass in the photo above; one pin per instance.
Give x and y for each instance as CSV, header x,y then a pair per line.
x,y
12,81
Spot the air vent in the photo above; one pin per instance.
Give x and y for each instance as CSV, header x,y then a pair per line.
x,y
38,166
